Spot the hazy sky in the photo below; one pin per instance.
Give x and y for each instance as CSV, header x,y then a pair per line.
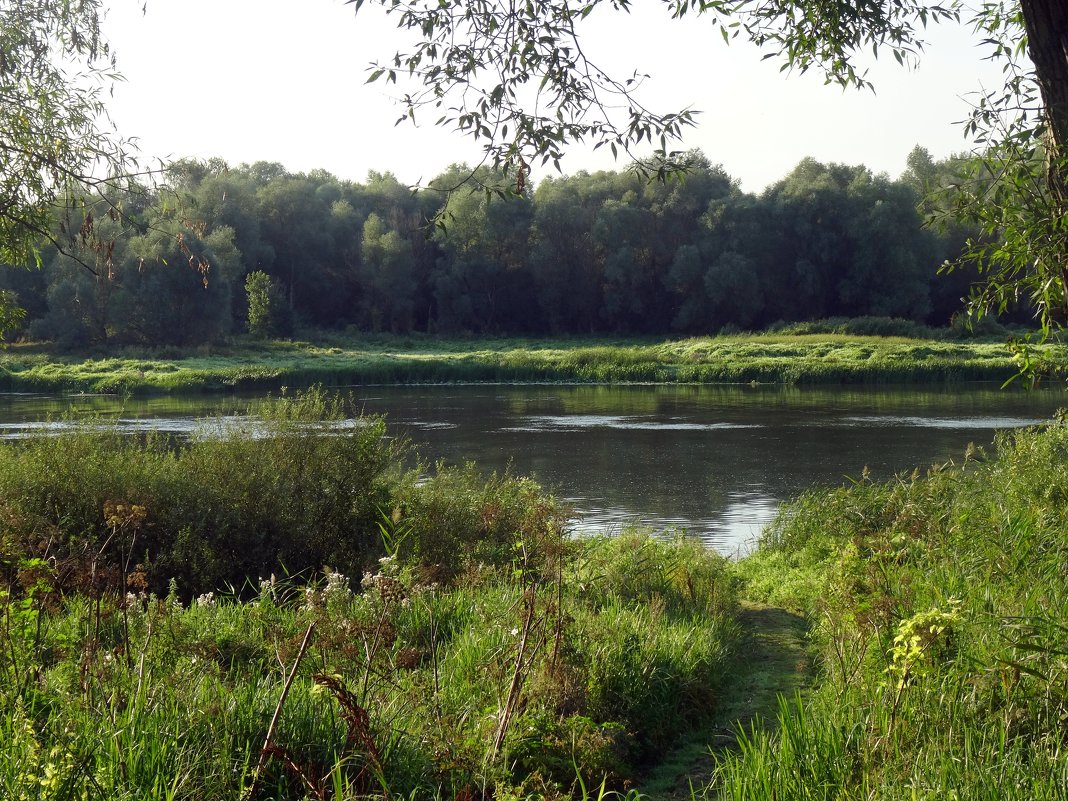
x,y
250,80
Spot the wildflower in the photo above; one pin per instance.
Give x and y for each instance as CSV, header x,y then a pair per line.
x,y
337,589
312,599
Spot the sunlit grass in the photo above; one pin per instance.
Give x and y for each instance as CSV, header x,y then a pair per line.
x,y
938,603
336,360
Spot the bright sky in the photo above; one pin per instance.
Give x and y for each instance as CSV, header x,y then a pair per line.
x,y
284,80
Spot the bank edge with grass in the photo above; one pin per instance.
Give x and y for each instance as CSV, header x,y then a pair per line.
x,y
937,605
809,358
528,665
282,614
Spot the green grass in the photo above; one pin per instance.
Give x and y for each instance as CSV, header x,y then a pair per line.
x,y
335,360
404,688
772,660
461,645
491,656
938,603
259,496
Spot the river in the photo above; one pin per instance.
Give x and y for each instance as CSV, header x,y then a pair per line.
x,y
713,460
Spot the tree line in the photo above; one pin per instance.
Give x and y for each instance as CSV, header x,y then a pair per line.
x,y
602,252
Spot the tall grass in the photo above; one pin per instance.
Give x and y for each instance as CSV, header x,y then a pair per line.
x,y
404,691
939,602
437,636
307,483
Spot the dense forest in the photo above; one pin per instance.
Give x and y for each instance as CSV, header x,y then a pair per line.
x,y
607,252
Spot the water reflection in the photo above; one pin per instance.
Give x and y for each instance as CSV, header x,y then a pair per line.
x,y
715,461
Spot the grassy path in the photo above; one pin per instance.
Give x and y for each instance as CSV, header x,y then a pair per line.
x,y
773,660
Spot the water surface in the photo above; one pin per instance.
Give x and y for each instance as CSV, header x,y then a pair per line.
x,y
716,461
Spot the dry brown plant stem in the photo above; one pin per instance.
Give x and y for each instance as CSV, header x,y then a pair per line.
x,y
269,740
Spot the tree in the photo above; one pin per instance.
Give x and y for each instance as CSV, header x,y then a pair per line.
x,y
54,139
515,76
11,316
268,313
481,284
387,278
1016,192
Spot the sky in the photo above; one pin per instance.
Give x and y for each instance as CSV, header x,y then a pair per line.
x,y
251,80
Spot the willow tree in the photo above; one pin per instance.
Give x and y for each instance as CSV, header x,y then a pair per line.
x,y
515,75
1017,190
56,142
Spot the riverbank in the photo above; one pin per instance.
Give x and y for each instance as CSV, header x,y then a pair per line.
x,y
461,646
336,361
938,606
168,628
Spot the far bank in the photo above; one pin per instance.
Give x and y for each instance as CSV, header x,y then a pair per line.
x,y
336,360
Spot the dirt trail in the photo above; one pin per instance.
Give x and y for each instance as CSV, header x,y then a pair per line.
x,y
772,660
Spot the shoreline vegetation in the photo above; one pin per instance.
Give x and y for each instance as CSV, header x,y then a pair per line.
x,y
428,633
334,360
284,615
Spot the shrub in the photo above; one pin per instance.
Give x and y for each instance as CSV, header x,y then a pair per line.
x,y
458,518
297,488
269,315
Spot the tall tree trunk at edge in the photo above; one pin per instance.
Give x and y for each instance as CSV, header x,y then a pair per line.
x,y
1046,22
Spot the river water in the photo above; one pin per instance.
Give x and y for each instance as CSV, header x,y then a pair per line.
x,y
713,460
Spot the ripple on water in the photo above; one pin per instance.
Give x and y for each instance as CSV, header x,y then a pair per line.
x,y
578,422
733,532
949,423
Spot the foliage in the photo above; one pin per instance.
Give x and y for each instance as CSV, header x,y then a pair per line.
x,y
1014,193
602,252
475,648
268,315
54,141
492,71
11,315
937,603
238,501
113,696
517,77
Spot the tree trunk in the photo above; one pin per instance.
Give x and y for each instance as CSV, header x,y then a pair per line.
x,y
1046,22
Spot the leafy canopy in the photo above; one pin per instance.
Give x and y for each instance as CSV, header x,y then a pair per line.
x,y
516,75
55,137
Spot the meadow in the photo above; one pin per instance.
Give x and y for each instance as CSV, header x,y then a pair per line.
x,y
288,614
810,355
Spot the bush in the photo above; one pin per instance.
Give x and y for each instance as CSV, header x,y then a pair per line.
x,y
456,518
296,488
